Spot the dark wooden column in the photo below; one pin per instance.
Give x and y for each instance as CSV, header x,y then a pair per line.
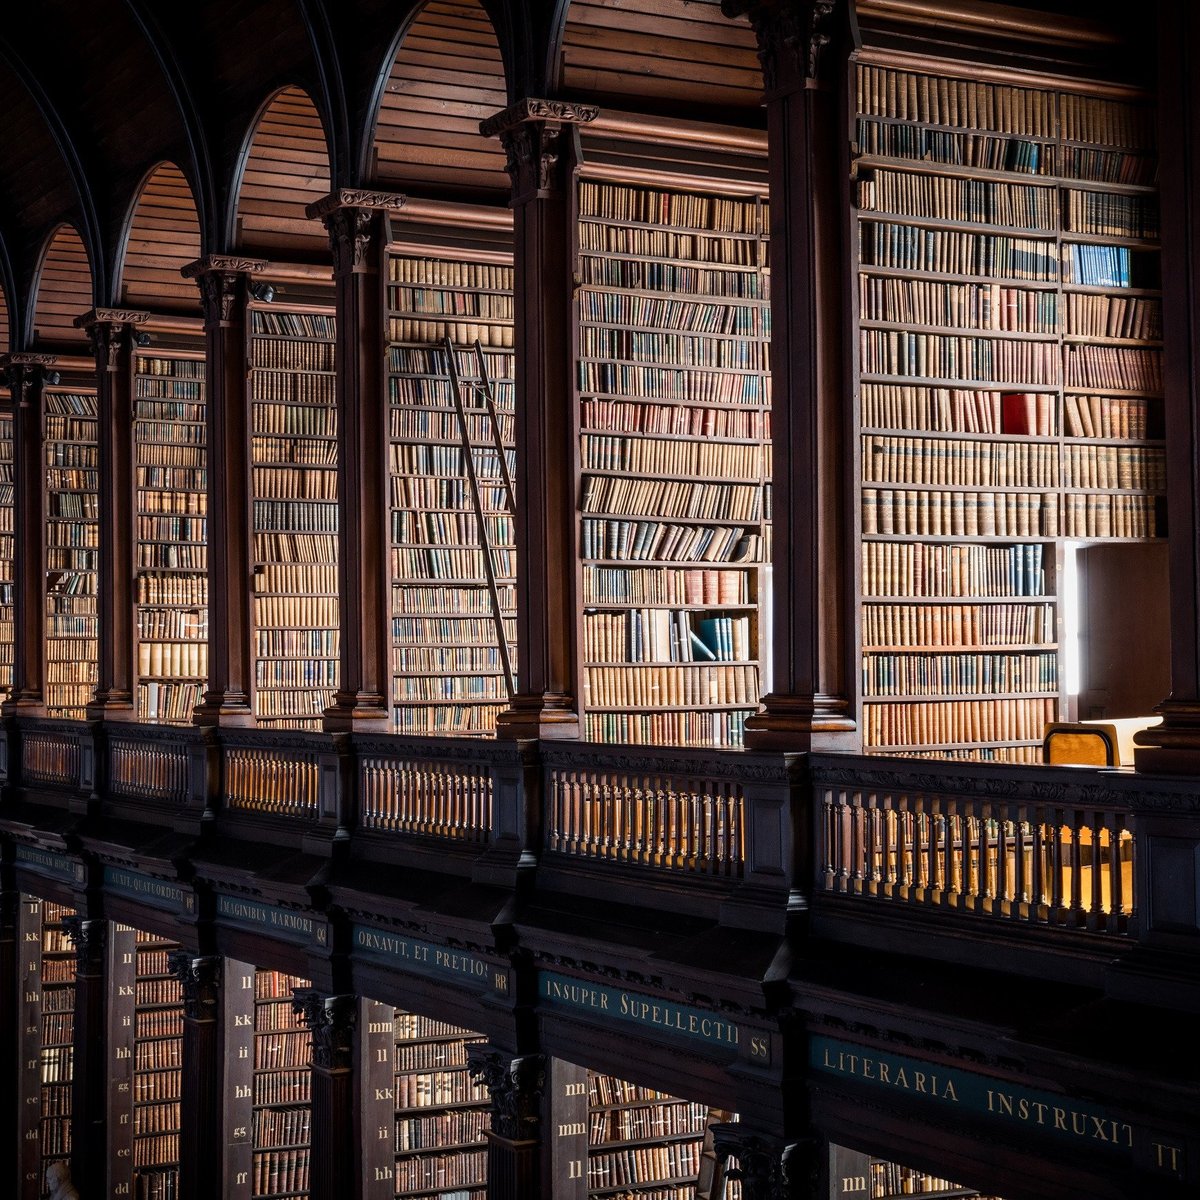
x,y
802,47
222,280
772,1168
336,1148
89,1080
112,333
1175,744
537,139
357,226
25,375
201,1107
516,1087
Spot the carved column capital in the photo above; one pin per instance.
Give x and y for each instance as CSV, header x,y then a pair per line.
x,y
529,131
200,981
793,36
768,1169
354,218
222,282
110,331
22,372
514,1086
331,1021
88,938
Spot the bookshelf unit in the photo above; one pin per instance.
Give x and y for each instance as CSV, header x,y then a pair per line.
x,y
453,542
442,1115
293,456
646,1145
1009,392
674,462
282,1114
55,1030
72,549
171,465
157,1063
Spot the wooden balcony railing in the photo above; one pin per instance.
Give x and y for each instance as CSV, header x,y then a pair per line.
x,y
678,811
426,787
52,753
276,774
986,841
149,763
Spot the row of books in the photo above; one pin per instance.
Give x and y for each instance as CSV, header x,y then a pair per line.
x,y
637,1164
664,541
166,1022
973,722
670,348
957,410
654,456
749,283
949,198
678,686
698,386
888,511
718,729
923,569
628,310
456,301
281,1173
1120,467
991,307
661,635
950,252
896,352
707,587
926,674
958,462
619,202
178,659
634,415
414,329
660,1119
1115,367
438,1172
914,625
986,151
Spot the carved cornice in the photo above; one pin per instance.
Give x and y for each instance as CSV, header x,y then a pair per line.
x,y
21,372
352,232
21,358
221,296
88,938
331,1021
223,262
515,1088
793,36
529,132
110,332
390,202
560,112
111,316
200,982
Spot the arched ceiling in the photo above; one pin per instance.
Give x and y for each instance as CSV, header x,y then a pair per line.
x,y
64,291
447,76
286,169
164,235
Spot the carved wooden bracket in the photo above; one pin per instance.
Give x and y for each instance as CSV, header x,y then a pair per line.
x,y
515,1086
768,1169
529,132
22,371
88,938
353,217
110,331
331,1021
200,982
222,282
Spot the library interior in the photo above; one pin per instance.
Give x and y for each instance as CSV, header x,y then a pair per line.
x,y
599,600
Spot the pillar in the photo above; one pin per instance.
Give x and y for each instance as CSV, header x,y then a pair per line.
x,y
336,1145
89,1080
201,1099
1174,746
772,1168
357,225
222,280
802,47
537,139
26,376
515,1087
112,333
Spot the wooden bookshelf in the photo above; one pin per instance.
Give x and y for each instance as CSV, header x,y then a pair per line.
x,y
441,1114
293,457
282,1112
1009,392
674,460
48,1041
157,1063
171,592
72,549
649,1145
7,548
453,542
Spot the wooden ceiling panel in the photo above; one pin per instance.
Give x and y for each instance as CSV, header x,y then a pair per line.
x,y
287,168
164,235
5,340
64,290
670,51
447,77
